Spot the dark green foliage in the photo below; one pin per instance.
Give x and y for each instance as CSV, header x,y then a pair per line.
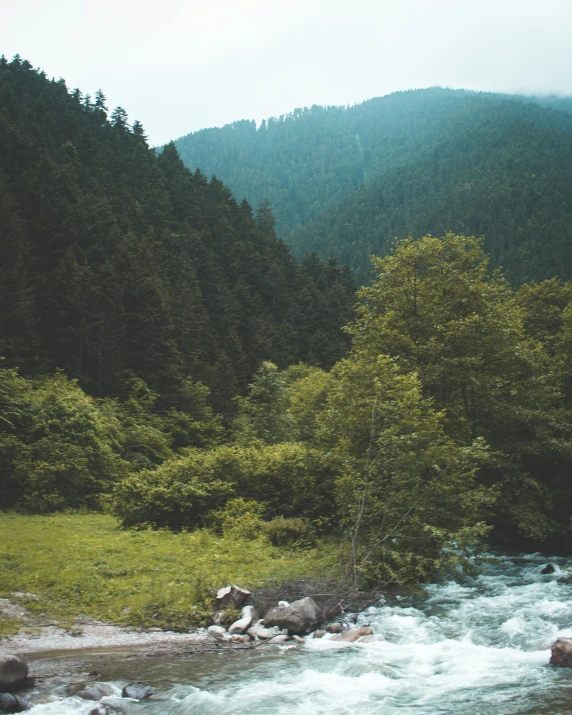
x,y
297,533
505,176
290,480
437,311
58,448
347,181
116,263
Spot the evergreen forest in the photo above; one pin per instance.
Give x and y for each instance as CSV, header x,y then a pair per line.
x,y
167,360
346,182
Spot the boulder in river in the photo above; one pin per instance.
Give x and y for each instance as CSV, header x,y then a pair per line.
x,y
13,704
300,617
91,691
334,628
353,634
13,671
562,652
105,709
549,568
232,596
137,691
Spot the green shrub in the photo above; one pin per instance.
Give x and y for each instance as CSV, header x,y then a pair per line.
x,y
158,499
290,532
290,479
238,516
58,448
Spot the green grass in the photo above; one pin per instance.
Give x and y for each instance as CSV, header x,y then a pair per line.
x,y
85,565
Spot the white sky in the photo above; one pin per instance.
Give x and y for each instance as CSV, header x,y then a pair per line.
x,y
178,66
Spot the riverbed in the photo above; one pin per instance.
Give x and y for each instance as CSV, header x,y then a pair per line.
x,y
473,646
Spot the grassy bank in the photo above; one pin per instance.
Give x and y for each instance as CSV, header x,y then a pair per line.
x,y
78,565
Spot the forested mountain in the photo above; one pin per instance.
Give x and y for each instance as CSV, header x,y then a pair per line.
x,y
345,182
117,264
508,178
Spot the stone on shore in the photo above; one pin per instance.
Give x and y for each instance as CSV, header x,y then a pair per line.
x,y
260,632
244,622
300,617
218,633
562,652
13,671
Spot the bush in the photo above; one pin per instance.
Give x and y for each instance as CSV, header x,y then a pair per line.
x,y
239,516
290,532
158,499
58,448
290,479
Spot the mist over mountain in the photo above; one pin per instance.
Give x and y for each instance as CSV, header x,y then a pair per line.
x,y
347,181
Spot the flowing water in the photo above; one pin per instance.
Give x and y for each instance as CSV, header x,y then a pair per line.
x,y
478,646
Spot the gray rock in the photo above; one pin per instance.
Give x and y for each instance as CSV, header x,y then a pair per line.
x,y
562,653
218,633
300,617
334,628
91,691
105,709
319,634
260,632
13,671
549,568
137,691
13,704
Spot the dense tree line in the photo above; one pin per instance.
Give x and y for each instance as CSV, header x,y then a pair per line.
x,y
449,422
506,178
117,264
347,181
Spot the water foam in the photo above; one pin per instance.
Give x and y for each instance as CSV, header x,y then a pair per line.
x,y
480,647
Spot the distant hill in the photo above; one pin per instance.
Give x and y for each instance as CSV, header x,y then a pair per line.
x,y
346,181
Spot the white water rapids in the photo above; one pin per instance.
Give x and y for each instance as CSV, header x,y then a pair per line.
x,y
478,647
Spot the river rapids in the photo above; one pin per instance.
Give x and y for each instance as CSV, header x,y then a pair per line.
x,y
478,645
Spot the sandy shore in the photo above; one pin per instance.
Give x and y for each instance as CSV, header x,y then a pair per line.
x,y
98,635
88,634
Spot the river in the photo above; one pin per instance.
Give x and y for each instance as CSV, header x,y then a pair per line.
x,y
479,646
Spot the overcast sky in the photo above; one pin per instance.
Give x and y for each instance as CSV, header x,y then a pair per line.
x,y
181,65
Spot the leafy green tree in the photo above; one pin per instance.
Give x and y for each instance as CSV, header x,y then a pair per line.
x,y
436,310
264,412
408,496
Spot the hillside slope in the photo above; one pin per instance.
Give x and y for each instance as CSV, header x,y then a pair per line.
x,y
345,181
117,264
508,177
